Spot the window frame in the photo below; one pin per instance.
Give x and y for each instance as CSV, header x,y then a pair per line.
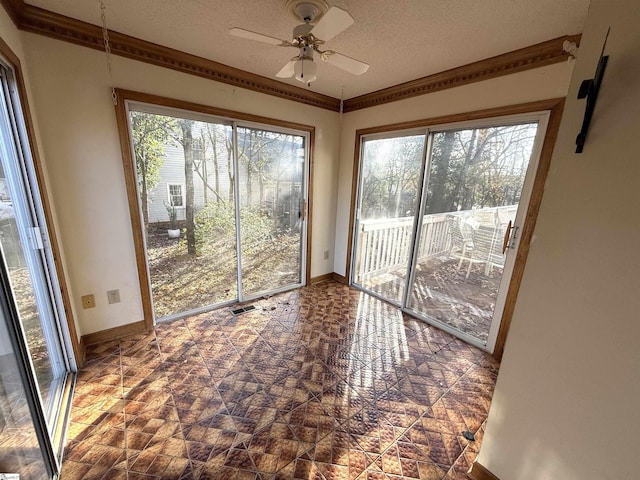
x,y
553,106
124,98
170,195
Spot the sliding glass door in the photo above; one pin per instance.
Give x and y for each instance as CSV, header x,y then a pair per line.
x,y
217,229
448,261
37,366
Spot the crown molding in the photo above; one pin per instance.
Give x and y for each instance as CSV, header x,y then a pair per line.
x,y
534,56
37,20
44,22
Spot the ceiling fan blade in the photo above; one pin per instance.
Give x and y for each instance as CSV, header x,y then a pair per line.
x,y
259,37
287,71
349,64
332,23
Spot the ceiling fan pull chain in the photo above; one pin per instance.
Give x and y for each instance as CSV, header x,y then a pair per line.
x,y
107,50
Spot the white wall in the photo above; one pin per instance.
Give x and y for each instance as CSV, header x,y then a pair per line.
x,y
10,34
72,101
566,401
539,84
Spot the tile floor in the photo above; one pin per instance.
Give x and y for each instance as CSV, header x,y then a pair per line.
x,y
324,382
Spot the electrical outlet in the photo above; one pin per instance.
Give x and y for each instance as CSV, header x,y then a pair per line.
x,y
88,301
113,296
326,254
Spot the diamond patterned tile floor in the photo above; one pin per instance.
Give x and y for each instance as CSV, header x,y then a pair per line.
x,y
324,382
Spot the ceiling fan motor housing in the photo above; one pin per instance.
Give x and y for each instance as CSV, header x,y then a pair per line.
x,y
302,30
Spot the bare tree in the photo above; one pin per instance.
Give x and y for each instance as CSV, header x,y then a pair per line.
x,y
391,172
200,165
186,140
253,147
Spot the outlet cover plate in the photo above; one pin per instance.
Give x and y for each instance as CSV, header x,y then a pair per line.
x,y
88,301
113,296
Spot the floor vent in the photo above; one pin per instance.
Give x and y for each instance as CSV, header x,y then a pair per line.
x,y
248,308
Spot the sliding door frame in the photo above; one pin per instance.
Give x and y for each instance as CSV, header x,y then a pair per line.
x,y
304,234
123,97
554,108
64,299
50,426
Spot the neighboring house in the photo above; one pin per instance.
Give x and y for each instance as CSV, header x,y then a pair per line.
x,y
277,177
171,188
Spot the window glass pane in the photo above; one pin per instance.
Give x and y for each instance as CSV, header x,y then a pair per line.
x,y
474,186
191,163
19,446
390,182
271,186
200,206
28,273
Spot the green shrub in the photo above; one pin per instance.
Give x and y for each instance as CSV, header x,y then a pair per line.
x,y
215,229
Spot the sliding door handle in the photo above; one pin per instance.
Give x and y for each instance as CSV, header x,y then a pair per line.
x,y
510,237
303,210
507,234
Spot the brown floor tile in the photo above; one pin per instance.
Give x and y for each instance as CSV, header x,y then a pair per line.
x,y
324,382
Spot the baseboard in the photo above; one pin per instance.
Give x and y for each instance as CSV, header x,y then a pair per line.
x,y
340,278
322,278
113,333
82,352
336,277
479,472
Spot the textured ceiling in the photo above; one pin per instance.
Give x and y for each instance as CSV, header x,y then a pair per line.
x,y
401,39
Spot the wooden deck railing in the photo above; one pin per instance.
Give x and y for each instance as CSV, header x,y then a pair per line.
x,y
384,244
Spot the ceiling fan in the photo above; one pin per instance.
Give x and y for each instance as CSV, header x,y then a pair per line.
x,y
321,24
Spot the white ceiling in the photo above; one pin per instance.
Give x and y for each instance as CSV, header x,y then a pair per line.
x,y
401,39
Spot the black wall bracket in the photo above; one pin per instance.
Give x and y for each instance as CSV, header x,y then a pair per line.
x,y
589,89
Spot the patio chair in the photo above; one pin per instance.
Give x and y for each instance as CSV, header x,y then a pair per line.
x,y
486,217
460,245
487,249
504,215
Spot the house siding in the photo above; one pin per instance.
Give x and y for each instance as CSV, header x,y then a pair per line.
x,y
172,172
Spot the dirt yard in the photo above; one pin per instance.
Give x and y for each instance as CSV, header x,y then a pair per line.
x,y
181,282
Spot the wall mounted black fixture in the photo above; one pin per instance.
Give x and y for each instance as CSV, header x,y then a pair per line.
x,y
589,89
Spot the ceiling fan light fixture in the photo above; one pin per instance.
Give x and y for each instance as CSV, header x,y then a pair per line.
x,y
306,70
